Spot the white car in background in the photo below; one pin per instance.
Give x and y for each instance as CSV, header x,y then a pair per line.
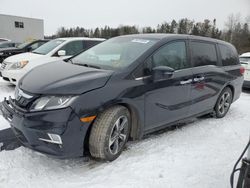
x,y
15,67
4,40
245,62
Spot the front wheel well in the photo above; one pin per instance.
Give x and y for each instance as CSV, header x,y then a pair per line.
x,y
134,129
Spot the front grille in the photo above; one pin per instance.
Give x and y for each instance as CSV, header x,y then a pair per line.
x,y
22,102
3,66
24,99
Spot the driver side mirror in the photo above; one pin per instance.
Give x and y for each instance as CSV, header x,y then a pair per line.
x,y
162,72
61,53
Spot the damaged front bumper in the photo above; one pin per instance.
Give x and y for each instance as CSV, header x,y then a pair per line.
x,y
34,129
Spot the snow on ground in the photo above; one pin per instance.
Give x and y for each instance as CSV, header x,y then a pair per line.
x,y
200,154
6,90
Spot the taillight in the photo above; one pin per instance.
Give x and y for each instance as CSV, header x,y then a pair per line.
x,y
242,70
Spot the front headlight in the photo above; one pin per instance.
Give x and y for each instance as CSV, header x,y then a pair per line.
x,y
1,53
52,102
19,65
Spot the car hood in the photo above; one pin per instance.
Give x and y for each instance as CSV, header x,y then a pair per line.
x,y
61,78
28,56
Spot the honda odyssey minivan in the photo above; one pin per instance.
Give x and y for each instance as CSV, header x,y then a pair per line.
x,y
120,90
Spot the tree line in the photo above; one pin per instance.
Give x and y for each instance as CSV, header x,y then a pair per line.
x,y
235,31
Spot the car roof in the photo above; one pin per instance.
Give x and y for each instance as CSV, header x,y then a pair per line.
x,y
247,54
80,38
5,39
164,36
44,40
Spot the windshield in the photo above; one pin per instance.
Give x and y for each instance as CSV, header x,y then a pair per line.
x,y
48,47
23,45
244,59
115,53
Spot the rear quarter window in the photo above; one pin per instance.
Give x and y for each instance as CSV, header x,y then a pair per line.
x,y
203,53
229,55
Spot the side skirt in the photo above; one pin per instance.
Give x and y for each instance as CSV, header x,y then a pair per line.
x,y
177,122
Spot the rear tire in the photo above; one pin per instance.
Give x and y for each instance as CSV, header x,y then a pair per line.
x,y
223,103
109,133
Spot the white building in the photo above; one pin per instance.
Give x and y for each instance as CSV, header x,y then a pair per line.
x,y
21,29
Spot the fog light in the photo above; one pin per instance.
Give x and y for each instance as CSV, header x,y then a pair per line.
x,y
54,139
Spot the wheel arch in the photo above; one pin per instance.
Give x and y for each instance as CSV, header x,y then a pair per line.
x,y
230,86
136,129
232,89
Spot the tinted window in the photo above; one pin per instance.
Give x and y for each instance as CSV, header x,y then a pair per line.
x,y
89,44
73,48
34,46
172,55
6,45
203,54
24,45
228,55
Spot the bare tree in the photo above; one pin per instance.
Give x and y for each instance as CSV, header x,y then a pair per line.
x,y
232,24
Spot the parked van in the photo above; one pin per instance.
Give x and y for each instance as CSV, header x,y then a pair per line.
x,y
122,89
15,67
245,62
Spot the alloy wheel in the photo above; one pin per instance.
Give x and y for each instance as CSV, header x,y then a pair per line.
x,y
224,103
118,135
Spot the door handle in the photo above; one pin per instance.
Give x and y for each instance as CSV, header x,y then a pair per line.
x,y
198,79
183,82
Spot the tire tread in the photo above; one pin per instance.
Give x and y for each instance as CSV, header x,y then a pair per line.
x,y
99,131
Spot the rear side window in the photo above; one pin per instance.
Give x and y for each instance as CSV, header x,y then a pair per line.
x,y
203,54
228,55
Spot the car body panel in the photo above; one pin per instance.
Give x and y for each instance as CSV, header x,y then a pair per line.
x,y
153,104
56,122
245,62
81,78
162,103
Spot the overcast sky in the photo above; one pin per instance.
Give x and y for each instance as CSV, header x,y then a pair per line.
x,y
93,13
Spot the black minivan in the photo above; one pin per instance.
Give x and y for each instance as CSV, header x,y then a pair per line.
x,y
122,89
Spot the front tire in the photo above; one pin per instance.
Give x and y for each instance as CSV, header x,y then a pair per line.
x,y
223,103
109,133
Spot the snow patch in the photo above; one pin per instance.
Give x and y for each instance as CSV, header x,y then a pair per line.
x,y
199,154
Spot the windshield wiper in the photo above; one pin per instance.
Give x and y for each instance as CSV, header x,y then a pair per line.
x,y
68,60
87,65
